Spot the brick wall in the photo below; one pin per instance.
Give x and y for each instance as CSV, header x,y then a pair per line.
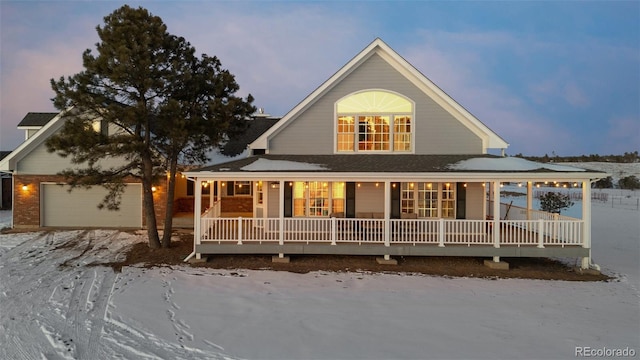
x,y
237,204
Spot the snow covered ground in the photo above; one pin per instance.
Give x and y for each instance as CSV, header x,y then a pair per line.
x,y
53,305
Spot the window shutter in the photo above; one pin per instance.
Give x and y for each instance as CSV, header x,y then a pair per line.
x,y
461,201
350,205
288,200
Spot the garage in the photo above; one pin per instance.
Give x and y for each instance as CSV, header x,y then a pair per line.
x,y
79,208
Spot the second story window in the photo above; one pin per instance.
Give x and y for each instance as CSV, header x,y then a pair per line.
x,y
374,121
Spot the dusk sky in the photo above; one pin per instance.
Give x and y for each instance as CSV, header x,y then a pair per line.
x,y
549,77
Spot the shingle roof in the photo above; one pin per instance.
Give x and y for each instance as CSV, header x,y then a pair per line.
x,y
387,163
256,128
354,163
37,119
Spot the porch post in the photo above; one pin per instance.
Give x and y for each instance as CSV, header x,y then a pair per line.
x,y
197,211
586,222
529,199
496,217
211,194
387,216
281,215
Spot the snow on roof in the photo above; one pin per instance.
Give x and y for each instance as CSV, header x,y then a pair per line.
x,y
274,165
508,164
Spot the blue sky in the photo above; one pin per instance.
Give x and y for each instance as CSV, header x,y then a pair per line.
x,y
560,77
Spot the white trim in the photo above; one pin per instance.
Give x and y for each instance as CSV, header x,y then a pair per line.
x,y
9,163
380,176
489,138
391,116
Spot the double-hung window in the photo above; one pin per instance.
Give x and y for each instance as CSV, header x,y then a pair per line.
x,y
374,121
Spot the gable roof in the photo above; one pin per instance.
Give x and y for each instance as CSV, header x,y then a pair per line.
x,y
36,119
490,139
50,127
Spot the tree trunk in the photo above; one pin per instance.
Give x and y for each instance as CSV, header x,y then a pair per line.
x,y
171,189
147,201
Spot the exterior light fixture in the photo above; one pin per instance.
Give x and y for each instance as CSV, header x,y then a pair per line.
x,y
25,187
153,188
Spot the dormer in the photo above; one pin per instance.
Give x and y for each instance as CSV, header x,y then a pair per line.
x,y
34,121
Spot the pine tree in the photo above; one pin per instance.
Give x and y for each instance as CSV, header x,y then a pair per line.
x,y
154,101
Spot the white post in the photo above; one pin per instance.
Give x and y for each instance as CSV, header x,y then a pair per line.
x,y
529,199
441,232
239,230
334,229
197,219
212,192
387,215
496,214
281,213
586,221
541,233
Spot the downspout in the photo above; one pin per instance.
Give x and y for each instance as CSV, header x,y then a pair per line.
x,y
190,256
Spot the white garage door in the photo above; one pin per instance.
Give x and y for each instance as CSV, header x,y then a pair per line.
x,y
79,208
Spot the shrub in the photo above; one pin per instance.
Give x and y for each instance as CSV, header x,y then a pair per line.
x,y
606,183
554,202
630,182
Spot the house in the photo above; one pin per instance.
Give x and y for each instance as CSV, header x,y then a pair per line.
x,y
380,161
5,185
42,199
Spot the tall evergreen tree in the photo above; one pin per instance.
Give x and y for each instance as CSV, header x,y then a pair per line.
x,y
155,101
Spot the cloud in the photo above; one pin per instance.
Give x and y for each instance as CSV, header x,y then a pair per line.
x,y
279,55
26,86
623,134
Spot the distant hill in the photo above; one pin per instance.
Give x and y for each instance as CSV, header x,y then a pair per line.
x,y
627,157
615,170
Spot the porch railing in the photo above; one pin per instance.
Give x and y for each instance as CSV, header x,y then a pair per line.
x,y
440,232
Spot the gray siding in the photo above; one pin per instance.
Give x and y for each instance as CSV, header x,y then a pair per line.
x,y
437,132
41,162
370,198
273,202
475,201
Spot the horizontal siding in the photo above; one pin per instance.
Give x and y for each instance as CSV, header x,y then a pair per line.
x,y
370,198
41,162
437,131
475,201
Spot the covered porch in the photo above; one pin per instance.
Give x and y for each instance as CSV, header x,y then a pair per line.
x,y
457,212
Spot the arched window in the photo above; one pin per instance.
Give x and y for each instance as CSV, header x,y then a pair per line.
x,y
374,120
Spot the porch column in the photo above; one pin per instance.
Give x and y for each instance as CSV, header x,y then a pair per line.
x,y
586,221
387,216
212,192
281,216
529,199
496,217
197,211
